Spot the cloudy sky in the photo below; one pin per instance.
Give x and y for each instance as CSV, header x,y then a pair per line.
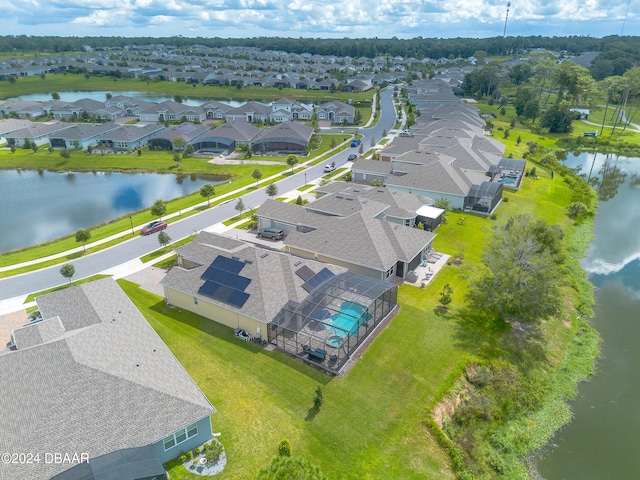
x,y
320,18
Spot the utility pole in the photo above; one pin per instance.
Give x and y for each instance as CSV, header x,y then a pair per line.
x,y
506,19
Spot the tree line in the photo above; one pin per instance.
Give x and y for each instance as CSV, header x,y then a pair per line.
x,y
612,47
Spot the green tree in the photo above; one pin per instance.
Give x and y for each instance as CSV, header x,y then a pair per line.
x,y
207,191
68,271
26,144
64,153
163,238
299,200
445,296
240,205
158,209
178,98
557,119
177,158
257,174
292,161
290,468
179,143
272,190
443,203
318,398
521,278
83,236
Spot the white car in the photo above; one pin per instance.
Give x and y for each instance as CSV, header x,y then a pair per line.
x,y
329,168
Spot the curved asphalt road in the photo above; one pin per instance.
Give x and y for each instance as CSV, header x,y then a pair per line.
x,y
138,246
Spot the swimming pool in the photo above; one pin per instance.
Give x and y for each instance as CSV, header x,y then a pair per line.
x,y
348,320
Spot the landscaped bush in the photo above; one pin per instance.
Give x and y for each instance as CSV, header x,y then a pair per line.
x,y
214,451
284,449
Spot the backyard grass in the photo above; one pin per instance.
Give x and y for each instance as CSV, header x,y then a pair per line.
x,y
262,397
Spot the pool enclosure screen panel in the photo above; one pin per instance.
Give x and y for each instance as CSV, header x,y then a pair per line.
x,y
336,317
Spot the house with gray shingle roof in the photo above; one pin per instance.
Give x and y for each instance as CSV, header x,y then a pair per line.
x,y
81,135
227,137
130,137
270,277
286,300
349,231
94,380
287,137
402,207
189,131
250,112
337,112
36,132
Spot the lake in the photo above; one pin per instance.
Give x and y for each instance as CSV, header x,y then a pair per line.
x,y
38,206
72,96
600,442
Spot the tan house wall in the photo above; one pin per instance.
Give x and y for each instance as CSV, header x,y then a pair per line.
x,y
215,312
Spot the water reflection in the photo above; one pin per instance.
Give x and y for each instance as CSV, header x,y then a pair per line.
x,y
618,211
38,206
600,442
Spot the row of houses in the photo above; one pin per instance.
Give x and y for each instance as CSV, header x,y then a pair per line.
x,y
445,155
284,138
120,106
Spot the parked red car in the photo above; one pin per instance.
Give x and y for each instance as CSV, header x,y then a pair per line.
x,y
153,227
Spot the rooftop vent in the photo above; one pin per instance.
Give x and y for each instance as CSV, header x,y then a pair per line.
x,y
235,257
297,263
247,260
265,254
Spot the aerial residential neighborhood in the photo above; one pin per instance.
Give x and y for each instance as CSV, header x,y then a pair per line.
x,y
320,295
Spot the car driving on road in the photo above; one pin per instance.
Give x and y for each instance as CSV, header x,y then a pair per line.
x,y
153,227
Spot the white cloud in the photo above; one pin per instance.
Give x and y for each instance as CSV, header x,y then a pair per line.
x,y
382,18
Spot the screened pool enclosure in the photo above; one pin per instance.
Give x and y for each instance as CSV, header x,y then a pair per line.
x,y
334,319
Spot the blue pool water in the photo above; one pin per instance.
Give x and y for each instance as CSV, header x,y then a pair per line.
x,y
349,319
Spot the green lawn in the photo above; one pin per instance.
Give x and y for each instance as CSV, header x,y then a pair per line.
x,y
78,82
262,397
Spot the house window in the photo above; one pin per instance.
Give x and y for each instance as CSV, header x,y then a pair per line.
x,y
180,436
389,272
195,300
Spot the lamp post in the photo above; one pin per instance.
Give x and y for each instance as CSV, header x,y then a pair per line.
x,y
305,178
131,222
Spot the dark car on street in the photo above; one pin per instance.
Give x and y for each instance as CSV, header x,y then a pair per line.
x,y
352,158
153,227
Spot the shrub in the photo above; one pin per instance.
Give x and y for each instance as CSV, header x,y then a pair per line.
x,y
284,449
189,454
214,451
183,458
197,450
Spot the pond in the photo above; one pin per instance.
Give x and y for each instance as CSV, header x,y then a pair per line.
x,y
38,206
600,442
72,96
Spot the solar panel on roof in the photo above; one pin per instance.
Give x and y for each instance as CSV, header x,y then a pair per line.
x,y
318,279
305,273
225,277
228,264
224,294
